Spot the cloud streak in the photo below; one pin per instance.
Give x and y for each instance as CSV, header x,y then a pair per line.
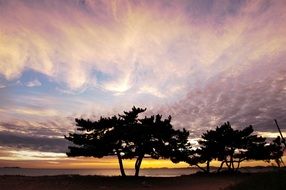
x,y
21,141
33,83
132,43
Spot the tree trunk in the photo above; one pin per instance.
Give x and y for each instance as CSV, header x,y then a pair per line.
x,y
208,167
232,164
204,170
120,164
138,165
228,164
220,167
281,135
277,160
238,165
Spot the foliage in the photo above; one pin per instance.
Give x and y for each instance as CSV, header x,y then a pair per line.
x,y
126,136
275,151
232,147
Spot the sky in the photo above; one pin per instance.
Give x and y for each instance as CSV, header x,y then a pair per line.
x,y
203,62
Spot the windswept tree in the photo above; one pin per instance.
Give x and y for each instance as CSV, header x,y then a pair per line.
x,y
205,153
126,136
278,146
155,138
275,150
229,146
108,136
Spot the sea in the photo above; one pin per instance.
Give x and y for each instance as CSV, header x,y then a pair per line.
x,y
153,172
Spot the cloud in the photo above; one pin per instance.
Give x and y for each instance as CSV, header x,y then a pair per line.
x,y
56,127
160,44
272,135
21,141
29,155
28,111
33,83
240,100
203,62
28,135
35,112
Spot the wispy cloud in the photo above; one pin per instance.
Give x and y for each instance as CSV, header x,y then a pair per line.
x,y
22,141
33,83
156,44
30,155
35,112
240,100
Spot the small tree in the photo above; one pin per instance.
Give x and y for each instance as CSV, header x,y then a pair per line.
x,y
229,146
275,151
206,152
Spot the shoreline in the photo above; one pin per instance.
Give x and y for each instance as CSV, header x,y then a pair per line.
x,y
150,172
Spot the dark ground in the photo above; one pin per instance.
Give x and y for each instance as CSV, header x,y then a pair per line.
x,y
260,181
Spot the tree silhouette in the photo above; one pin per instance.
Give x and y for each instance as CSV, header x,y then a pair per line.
x,y
275,150
156,138
232,147
203,154
104,137
126,136
282,139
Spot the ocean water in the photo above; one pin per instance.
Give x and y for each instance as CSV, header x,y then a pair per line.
x,y
162,172
165,172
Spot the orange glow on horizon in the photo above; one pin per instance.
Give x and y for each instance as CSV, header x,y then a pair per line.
x,y
112,163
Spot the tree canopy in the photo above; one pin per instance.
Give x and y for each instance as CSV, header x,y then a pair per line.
x,y
126,136
232,147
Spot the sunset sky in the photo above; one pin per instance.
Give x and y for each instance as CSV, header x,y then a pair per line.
x,y
202,61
